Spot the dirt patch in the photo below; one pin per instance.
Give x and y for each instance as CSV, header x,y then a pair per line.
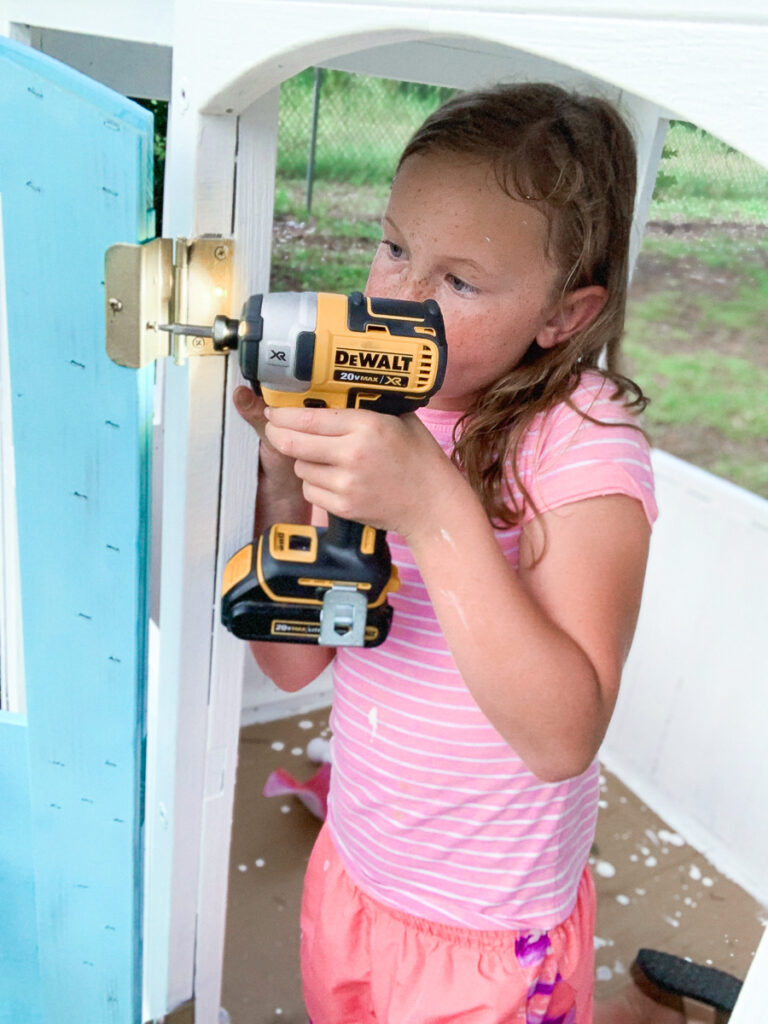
x,y
706,447
703,306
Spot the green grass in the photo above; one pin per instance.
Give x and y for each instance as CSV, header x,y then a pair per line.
x,y
706,388
307,268
733,290
702,178
749,473
696,347
746,309
344,232
715,250
699,208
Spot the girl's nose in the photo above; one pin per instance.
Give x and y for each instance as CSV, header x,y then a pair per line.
x,y
416,288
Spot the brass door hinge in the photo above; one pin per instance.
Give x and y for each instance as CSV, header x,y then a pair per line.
x,y
153,288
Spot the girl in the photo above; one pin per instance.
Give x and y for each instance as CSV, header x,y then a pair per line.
x,y
450,881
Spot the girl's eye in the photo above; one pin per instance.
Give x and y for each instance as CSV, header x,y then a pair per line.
x,y
395,251
462,287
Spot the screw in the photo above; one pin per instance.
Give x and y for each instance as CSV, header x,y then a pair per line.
x,y
198,342
220,252
115,305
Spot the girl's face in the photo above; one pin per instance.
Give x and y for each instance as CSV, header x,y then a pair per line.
x,y
451,234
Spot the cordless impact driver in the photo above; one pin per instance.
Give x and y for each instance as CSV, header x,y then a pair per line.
x,y
326,585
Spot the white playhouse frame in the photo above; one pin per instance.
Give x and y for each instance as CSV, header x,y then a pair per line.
x,y
221,62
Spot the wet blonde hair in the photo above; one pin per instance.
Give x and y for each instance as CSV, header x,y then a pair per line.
x,y
573,157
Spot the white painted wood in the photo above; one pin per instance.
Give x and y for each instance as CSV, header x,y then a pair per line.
x,y
683,11
149,21
90,15
688,734
669,62
137,69
753,998
12,693
199,200
257,149
13,30
177,736
650,130
464,64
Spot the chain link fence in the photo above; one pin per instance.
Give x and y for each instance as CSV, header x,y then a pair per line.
x,y
336,126
697,167
341,127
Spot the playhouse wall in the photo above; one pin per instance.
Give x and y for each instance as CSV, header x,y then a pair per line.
x,y
688,734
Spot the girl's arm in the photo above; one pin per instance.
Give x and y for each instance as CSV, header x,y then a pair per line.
x,y
541,651
279,499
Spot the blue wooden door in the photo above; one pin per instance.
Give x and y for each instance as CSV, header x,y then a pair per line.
x,y
75,177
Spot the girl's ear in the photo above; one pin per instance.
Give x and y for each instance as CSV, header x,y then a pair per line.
x,y
574,312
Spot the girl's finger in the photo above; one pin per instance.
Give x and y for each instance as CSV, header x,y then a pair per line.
x,y
250,407
325,422
300,445
326,500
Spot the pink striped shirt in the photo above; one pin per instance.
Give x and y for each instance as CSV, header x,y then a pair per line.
x,y
431,811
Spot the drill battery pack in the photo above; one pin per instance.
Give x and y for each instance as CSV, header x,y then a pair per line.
x,y
311,585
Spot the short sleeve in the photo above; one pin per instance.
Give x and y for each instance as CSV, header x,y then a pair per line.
x,y
587,448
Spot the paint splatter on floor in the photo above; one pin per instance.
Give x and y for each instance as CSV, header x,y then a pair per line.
x,y
662,894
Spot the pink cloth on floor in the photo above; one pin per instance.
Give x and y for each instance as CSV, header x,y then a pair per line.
x,y
313,793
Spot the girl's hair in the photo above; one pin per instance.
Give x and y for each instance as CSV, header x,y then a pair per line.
x,y
573,157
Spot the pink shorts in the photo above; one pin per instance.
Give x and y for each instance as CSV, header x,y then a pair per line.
x,y
362,961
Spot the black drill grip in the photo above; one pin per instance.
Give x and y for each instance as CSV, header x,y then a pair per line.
x,y
348,534
344,533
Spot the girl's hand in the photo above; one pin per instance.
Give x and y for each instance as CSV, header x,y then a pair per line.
x,y
251,408
386,471
273,465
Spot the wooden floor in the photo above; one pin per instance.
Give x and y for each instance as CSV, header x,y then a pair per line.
x,y
653,889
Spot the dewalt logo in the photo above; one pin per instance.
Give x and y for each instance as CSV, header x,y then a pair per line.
x,y
373,360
